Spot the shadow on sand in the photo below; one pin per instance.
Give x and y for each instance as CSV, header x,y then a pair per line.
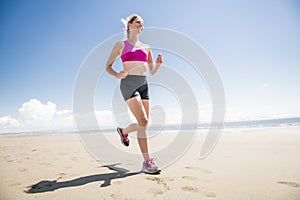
x,y
47,186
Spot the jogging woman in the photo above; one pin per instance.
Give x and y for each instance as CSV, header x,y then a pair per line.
x,y
136,60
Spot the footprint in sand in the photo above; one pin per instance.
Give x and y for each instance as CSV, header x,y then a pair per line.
x,y
155,191
199,169
6,156
15,184
116,196
189,189
118,182
74,159
209,194
290,184
194,189
189,178
23,170
61,174
46,164
161,181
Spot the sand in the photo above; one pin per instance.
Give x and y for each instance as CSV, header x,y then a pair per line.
x,y
245,164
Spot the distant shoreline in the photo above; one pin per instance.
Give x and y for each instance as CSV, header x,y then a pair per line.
x,y
247,124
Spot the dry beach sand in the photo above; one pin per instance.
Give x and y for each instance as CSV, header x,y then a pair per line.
x,y
245,164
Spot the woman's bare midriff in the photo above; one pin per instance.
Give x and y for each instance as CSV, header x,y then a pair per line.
x,y
135,68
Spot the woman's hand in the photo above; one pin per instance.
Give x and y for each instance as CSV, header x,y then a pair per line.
x,y
122,74
159,59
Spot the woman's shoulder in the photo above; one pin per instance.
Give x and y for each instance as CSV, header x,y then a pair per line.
x,y
146,45
119,44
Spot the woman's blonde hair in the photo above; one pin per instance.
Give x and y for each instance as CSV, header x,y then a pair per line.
x,y
128,21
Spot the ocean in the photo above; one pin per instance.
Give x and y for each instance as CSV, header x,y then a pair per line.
x,y
266,123
250,124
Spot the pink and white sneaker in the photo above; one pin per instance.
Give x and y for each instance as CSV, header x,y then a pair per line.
x,y
149,167
124,138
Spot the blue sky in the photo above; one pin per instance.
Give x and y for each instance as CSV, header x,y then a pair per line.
x,y
254,44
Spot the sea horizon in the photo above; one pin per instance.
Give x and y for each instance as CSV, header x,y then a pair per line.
x,y
242,124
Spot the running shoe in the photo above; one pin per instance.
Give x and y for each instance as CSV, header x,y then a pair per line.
x,y
124,138
149,167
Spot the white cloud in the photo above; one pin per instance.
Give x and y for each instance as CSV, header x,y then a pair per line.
x,y
35,116
63,120
8,122
105,118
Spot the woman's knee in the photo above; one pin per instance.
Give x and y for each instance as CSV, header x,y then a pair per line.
x,y
143,122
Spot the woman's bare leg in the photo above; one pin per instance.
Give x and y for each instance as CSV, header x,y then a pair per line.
x,y
131,128
134,126
145,103
137,108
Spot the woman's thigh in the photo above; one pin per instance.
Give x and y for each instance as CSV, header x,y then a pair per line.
x,y
137,108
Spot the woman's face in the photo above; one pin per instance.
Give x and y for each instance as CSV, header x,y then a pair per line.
x,y
137,24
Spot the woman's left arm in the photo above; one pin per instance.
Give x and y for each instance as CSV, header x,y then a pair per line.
x,y
159,60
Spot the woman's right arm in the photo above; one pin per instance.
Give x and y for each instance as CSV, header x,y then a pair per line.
x,y
115,52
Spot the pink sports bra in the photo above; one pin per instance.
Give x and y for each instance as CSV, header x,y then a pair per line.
x,y
133,53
